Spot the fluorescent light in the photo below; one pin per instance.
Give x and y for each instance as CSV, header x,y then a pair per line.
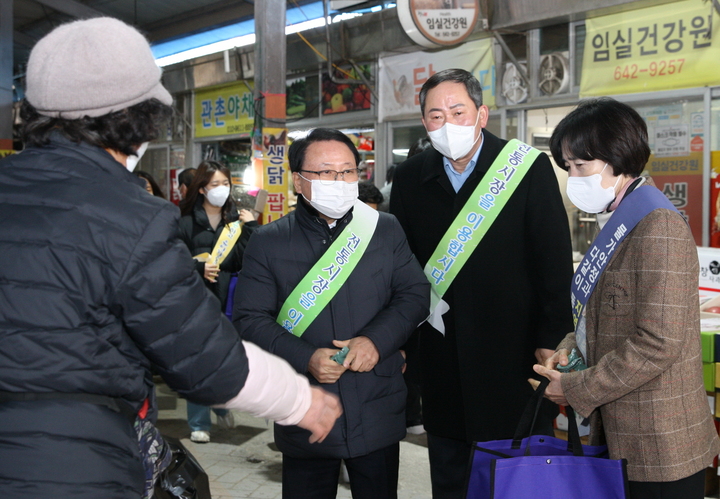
x,y
312,24
245,40
401,152
213,48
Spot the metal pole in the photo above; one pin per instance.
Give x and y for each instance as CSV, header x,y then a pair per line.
x,y
270,58
6,74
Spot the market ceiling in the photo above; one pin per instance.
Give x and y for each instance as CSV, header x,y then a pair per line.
x,y
158,19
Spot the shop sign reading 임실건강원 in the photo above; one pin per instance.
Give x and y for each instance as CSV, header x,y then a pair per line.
x,y
438,23
652,49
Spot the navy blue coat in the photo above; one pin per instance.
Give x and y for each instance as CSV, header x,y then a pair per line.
x,y
385,298
97,286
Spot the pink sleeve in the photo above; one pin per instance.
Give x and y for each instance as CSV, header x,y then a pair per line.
x,y
273,389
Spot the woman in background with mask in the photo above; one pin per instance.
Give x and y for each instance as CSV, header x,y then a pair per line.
x,y
635,299
209,208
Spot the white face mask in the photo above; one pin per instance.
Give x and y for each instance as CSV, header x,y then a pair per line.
x,y
132,161
333,200
588,194
454,141
218,195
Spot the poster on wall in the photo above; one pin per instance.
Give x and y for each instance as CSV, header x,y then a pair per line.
x,y
715,200
302,98
401,76
651,49
177,163
671,141
276,175
225,110
346,97
680,179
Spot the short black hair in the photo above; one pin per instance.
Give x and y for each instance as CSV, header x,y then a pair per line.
x,y
419,146
472,85
390,173
186,176
121,131
603,129
296,153
156,190
368,193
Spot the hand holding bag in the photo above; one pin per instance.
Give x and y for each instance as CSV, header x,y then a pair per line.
x,y
542,466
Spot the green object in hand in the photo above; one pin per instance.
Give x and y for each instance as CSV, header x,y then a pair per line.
x,y
575,363
340,356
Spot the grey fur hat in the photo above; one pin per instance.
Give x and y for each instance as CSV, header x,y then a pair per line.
x,y
92,68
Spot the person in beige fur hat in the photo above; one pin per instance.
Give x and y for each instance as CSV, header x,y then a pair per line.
x,y
98,286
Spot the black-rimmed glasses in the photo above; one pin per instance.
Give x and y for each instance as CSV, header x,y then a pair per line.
x,y
328,176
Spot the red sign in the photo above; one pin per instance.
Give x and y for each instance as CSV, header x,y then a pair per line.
x,y
696,143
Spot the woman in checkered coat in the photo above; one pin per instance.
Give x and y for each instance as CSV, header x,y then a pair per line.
x,y
640,335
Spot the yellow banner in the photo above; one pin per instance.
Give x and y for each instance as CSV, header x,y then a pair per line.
x,y
276,176
690,164
659,48
226,110
228,237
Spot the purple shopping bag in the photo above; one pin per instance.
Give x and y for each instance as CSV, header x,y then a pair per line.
x,y
558,477
231,296
542,466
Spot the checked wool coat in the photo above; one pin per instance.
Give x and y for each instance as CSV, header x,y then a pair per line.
x,y
644,387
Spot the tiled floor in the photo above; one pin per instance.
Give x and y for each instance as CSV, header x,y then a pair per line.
x,y
243,462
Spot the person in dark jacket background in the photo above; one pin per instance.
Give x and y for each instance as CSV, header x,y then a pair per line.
x,y
184,179
151,184
372,313
208,210
101,287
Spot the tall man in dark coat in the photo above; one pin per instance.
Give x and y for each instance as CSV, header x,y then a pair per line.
x,y
510,302
373,313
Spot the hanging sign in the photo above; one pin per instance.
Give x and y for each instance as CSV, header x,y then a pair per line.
x,y
438,23
657,48
275,172
226,110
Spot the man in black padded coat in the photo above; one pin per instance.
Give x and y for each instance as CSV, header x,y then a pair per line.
x,y
373,313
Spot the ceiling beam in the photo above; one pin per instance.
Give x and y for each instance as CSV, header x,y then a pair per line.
x,y
72,8
23,39
217,14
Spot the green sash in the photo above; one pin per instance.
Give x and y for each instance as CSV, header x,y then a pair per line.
x,y
474,220
326,277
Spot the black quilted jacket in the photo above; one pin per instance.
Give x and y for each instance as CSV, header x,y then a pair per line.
x,y
96,286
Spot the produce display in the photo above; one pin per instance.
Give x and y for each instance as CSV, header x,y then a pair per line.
x,y
343,97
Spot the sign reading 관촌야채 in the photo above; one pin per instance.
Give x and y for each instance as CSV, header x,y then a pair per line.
x,y
225,110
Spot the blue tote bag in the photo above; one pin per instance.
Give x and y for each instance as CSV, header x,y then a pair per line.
x,y
542,466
